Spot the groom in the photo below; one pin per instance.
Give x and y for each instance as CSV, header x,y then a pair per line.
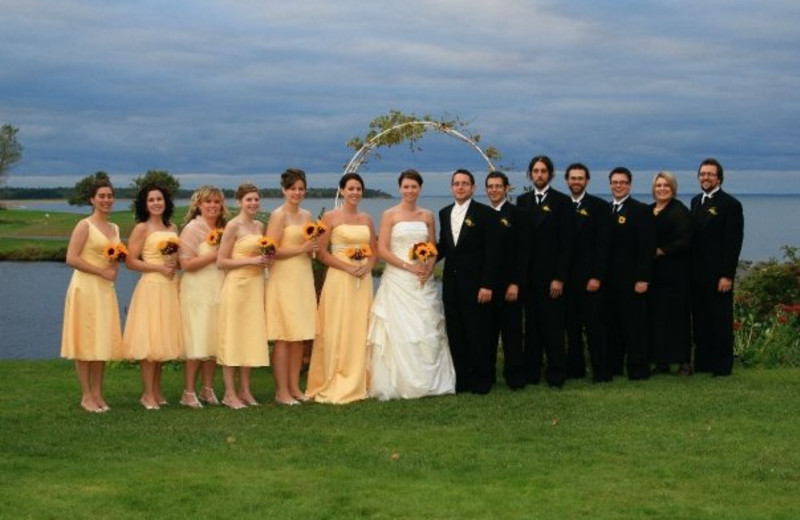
x,y
468,242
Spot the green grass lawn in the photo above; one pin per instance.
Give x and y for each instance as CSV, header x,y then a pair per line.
x,y
670,447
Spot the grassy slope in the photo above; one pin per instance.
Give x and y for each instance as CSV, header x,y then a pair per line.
x,y
665,448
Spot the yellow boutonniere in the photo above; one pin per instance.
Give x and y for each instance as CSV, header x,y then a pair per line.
x,y
713,210
468,222
505,222
656,211
621,219
583,212
546,208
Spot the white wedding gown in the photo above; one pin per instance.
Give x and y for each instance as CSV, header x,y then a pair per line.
x,y
407,336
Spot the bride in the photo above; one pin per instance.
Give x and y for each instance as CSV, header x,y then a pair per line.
x,y
407,336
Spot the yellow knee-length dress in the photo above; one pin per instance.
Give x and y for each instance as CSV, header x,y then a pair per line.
x,y
339,360
242,332
291,300
199,297
92,329
153,327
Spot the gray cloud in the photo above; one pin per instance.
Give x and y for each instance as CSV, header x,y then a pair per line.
x,y
249,87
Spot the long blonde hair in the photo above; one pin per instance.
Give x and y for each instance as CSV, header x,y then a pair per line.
x,y
201,194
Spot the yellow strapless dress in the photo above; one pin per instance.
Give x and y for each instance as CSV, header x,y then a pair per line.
x,y
338,371
153,327
291,300
242,333
92,329
199,297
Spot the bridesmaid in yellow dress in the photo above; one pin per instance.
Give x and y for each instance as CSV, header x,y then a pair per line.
x,y
242,332
92,334
201,283
338,372
153,328
291,301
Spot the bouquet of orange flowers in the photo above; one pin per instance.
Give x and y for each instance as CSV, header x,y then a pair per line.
x,y
314,230
117,252
358,254
268,248
422,252
214,237
169,246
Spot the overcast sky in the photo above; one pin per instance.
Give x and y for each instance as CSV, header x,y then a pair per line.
x,y
251,87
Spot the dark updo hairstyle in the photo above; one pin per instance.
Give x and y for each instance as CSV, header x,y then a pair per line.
x,y
292,175
350,176
140,204
410,174
244,189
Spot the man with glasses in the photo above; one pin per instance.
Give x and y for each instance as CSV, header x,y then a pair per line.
x,y
630,266
718,232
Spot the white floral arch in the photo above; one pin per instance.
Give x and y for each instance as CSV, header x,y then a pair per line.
x,y
361,155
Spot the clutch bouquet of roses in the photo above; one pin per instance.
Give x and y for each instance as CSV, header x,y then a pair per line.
x,y
422,252
314,230
214,237
358,254
117,252
268,248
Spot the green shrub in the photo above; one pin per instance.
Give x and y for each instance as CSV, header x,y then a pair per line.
x,y
767,313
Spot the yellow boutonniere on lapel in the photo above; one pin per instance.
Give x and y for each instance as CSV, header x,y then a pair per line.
x,y
505,222
546,208
621,219
583,212
468,222
713,210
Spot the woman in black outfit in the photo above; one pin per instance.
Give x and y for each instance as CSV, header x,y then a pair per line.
x,y
669,292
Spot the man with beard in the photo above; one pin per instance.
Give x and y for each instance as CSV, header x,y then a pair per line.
x,y
584,288
550,240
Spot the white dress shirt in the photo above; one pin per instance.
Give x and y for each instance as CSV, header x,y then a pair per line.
x,y
457,215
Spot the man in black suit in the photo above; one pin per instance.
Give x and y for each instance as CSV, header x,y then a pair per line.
x,y
587,273
630,267
550,241
718,232
511,273
468,243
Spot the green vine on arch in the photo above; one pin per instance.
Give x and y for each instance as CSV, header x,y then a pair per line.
x,y
396,128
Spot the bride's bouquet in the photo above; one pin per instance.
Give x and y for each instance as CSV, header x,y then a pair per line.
x,y
422,252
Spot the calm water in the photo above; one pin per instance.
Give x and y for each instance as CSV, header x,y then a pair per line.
x,y
32,294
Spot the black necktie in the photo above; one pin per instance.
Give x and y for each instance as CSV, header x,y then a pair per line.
x,y
539,198
577,204
617,206
706,198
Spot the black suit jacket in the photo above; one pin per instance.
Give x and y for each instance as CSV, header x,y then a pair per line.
x,y
590,246
632,246
472,263
550,237
718,228
513,231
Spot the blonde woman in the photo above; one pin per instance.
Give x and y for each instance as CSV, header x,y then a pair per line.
x,y
92,334
201,283
242,335
291,302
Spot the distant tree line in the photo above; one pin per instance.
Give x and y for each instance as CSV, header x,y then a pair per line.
x,y
63,193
